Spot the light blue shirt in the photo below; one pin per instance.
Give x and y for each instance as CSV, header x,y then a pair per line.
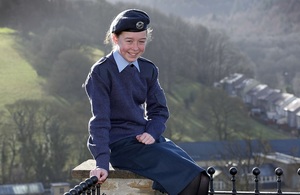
x,y
122,63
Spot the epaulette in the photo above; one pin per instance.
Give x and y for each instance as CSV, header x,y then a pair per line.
x,y
99,62
146,60
103,59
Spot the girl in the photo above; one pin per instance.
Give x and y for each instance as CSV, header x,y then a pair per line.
x,y
129,113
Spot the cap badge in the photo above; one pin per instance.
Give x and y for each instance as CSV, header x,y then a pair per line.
x,y
140,25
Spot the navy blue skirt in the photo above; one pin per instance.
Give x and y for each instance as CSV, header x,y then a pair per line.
x,y
170,167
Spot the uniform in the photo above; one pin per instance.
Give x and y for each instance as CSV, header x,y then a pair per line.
x,y
127,100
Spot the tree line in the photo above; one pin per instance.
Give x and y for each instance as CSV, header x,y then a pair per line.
x,y
43,139
266,31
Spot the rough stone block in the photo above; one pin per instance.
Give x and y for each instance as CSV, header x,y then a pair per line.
x,y
119,182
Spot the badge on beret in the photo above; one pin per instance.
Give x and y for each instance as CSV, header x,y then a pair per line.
x,y
140,25
131,20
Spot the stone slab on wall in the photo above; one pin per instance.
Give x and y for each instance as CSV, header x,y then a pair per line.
x,y
119,182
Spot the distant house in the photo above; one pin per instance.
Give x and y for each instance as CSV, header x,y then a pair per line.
x,y
266,98
249,85
298,120
267,178
255,92
22,189
226,150
292,110
278,107
59,188
288,163
272,154
273,105
269,104
231,83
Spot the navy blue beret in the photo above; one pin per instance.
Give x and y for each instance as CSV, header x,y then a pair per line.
x,y
131,20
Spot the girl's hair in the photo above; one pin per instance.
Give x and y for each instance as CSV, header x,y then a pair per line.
x,y
108,38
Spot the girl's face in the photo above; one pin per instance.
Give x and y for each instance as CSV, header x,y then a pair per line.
x,y
131,45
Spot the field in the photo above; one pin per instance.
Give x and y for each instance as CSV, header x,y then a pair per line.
x,y
17,78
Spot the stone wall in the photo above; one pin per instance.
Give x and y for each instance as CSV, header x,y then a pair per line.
x,y
119,182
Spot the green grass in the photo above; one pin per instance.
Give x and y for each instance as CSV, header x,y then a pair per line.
x,y
18,80
192,127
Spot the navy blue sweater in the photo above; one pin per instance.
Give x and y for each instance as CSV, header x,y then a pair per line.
x,y
123,104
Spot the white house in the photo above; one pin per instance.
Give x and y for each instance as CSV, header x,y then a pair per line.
x,y
292,109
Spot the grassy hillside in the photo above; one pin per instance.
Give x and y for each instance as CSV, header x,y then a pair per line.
x,y
192,126
18,79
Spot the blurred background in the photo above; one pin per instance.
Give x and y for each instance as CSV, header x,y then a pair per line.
x,y
48,46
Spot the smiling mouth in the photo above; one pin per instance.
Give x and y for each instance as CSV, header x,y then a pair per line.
x,y
133,55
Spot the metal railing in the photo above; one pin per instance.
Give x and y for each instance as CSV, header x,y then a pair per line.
x,y
256,191
91,187
88,187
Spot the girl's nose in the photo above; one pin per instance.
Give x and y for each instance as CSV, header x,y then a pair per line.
x,y
135,46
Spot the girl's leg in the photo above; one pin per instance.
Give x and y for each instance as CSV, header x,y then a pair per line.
x,y
204,184
198,186
191,188
163,162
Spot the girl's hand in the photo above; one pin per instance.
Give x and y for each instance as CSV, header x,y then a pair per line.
x,y
145,138
100,173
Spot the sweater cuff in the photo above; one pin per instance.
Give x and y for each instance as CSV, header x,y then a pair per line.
x,y
155,128
102,163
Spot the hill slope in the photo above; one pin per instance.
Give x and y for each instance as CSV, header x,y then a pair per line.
x,y
18,79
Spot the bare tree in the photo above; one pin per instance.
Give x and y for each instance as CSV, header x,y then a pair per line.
x,y
40,144
220,114
241,155
219,58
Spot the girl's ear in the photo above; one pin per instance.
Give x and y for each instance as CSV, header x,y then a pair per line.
x,y
114,38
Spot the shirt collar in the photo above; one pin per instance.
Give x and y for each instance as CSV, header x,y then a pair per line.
x,y
122,63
